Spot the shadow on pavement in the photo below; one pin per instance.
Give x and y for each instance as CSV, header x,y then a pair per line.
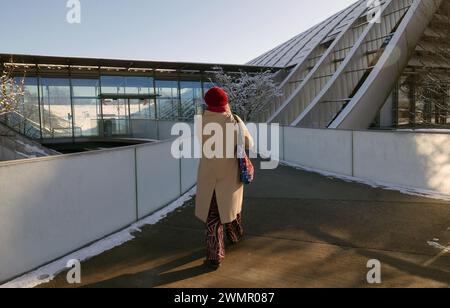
x,y
158,276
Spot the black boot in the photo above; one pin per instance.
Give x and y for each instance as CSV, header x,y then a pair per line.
x,y
213,264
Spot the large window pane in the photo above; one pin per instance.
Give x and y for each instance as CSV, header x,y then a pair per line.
x,y
168,100
421,102
139,85
142,108
86,107
86,117
26,118
85,88
113,84
207,85
116,117
127,85
56,108
191,99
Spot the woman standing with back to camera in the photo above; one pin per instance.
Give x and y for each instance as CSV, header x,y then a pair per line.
x,y
220,191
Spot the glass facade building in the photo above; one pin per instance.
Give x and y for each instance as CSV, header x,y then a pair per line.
x,y
105,106
70,98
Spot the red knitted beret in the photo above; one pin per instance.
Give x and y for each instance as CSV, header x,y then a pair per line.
x,y
217,100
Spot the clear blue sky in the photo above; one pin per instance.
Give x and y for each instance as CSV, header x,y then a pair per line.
x,y
215,31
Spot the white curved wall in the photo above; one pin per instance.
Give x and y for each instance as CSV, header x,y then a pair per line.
x,y
52,206
327,150
415,161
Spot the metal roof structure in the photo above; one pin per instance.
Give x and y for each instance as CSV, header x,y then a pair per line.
x,y
342,71
294,51
33,60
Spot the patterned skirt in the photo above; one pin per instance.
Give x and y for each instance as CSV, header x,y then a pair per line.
x,y
215,244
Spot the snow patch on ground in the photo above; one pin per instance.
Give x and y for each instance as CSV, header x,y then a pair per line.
x,y
48,272
32,149
425,130
372,183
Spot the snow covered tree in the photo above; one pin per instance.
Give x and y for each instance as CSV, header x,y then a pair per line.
x,y
11,91
249,94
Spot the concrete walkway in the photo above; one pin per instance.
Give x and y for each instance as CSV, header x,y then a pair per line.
x,y
302,230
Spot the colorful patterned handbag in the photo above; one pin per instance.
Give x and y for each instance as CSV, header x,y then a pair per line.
x,y
246,168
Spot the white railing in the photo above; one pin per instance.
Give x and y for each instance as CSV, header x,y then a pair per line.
x,y
53,206
417,162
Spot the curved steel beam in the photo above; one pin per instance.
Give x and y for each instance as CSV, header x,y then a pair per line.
x,y
361,110
301,66
350,58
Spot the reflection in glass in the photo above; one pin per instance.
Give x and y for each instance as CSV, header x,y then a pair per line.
x,y
142,109
113,84
56,109
421,102
56,117
86,107
116,117
26,118
127,85
139,85
207,85
168,100
191,98
85,88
